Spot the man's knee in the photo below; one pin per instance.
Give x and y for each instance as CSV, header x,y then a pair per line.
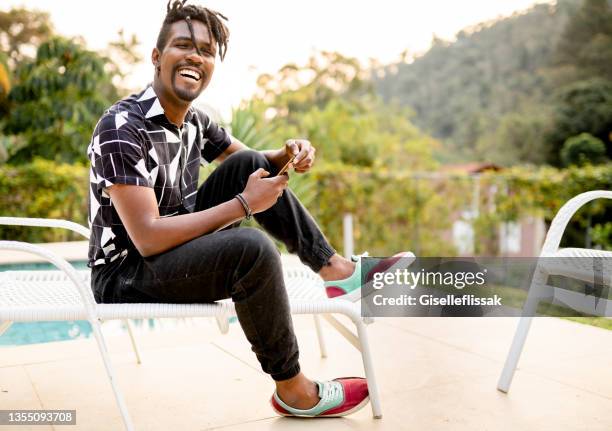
x,y
257,244
259,266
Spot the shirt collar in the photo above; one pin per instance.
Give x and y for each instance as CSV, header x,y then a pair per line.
x,y
153,110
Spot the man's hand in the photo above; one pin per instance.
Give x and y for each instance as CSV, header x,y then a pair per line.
x,y
301,148
261,193
305,154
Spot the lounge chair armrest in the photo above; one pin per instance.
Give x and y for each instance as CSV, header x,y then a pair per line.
x,y
567,211
45,222
62,264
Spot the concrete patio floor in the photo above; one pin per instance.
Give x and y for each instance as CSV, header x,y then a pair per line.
x,y
434,374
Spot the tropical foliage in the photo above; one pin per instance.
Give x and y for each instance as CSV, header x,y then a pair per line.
x,y
392,210
53,89
45,189
330,101
56,100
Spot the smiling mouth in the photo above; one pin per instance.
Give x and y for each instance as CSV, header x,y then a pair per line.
x,y
190,74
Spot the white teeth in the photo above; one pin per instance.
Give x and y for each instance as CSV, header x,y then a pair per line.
x,y
190,73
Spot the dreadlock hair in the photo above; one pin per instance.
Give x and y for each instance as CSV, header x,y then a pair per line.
x,y
177,11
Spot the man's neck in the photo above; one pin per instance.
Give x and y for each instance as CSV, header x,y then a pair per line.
x,y
174,109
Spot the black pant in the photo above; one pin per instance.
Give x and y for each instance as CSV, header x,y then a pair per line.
x,y
238,263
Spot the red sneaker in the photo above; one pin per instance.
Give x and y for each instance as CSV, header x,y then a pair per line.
x,y
349,288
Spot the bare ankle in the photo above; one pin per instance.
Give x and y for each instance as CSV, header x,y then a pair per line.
x,y
337,268
298,392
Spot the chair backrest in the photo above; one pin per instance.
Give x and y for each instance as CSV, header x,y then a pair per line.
x,y
564,215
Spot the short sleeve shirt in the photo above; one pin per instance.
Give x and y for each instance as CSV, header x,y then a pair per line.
x,y
134,143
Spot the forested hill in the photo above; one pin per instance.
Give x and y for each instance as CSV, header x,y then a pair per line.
x,y
462,91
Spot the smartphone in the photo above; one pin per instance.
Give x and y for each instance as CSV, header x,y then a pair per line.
x,y
287,166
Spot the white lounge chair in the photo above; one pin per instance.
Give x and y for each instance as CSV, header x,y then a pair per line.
x,y
27,296
573,268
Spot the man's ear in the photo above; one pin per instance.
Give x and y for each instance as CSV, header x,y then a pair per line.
x,y
155,55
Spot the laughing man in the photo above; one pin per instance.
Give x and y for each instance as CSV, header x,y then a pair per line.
x,y
157,237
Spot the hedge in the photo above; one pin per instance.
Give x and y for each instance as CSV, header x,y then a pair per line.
x,y
392,210
43,189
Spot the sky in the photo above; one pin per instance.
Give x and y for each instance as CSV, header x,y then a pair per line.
x,y
267,34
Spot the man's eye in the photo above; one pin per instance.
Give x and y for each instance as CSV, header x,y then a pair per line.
x,y
182,46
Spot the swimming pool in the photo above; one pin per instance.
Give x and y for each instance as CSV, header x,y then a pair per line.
x,y
22,333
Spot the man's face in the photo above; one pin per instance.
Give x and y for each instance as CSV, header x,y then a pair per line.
x,y
184,73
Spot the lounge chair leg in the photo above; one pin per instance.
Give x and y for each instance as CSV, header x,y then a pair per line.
x,y
514,354
128,325
95,325
368,367
223,323
4,326
322,346
516,348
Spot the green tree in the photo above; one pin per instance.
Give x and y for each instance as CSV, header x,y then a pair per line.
x,y
56,101
5,84
329,102
326,75
462,91
52,89
585,48
120,56
362,145
583,107
583,149
519,138
602,235
21,31
5,88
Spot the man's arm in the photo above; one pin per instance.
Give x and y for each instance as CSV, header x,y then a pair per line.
x,y
236,145
279,157
303,151
152,234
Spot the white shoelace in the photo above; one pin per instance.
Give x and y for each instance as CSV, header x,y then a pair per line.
x,y
331,392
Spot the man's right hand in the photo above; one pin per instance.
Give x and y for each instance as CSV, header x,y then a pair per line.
x,y
261,193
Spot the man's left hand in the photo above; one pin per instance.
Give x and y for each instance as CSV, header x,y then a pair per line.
x,y
305,154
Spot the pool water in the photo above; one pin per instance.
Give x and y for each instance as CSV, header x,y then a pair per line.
x,y
21,333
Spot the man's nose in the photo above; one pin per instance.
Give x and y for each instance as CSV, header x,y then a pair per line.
x,y
195,57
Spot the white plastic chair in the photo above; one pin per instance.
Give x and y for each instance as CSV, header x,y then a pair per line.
x,y
27,296
573,268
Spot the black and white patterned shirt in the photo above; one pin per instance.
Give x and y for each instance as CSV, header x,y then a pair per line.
x,y
135,143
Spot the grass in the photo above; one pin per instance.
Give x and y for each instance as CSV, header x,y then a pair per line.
x,y
600,322
515,298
